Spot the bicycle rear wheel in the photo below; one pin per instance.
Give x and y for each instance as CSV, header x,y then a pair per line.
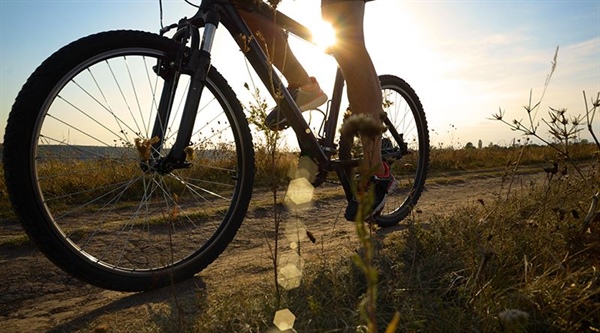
x,y
405,147
74,143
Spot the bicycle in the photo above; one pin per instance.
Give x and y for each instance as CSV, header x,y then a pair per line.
x,y
129,183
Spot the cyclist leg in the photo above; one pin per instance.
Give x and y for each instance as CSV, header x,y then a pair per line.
x,y
364,90
278,48
304,89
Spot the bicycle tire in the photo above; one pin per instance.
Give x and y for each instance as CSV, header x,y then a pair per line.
x,y
73,171
405,113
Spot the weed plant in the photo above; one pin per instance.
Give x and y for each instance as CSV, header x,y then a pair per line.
x,y
527,253
448,161
5,206
516,265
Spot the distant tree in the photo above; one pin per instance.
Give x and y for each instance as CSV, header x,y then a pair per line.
x,y
469,145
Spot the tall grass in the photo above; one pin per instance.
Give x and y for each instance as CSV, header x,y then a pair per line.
x,y
5,206
525,263
522,264
456,160
503,266
444,162
526,253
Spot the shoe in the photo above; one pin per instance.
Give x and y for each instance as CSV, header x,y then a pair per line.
x,y
384,185
306,100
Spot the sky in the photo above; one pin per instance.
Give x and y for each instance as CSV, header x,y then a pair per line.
x,y
465,59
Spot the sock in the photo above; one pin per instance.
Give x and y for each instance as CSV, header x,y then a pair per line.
x,y
386,172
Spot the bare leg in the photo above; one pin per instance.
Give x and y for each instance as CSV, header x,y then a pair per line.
x,y
364,89
279,51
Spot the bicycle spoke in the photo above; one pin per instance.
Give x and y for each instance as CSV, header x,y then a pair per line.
x,y
121,123
106,214
197,131
88,152
95,201
75,128
124,97
196,188
135,94
175,116
105,106
404,147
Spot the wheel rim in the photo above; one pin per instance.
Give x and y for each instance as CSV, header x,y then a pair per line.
x,y
407,156
87,176
409,171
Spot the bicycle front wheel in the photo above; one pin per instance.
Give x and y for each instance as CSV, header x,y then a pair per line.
x,y
405,147
74,143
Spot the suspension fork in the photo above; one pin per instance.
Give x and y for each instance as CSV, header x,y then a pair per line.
x,y
196,62
171,78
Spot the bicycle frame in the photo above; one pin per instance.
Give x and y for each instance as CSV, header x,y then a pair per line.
x,y
69,149
197,63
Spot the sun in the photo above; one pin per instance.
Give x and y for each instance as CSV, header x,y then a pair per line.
x,y
314,55
323,34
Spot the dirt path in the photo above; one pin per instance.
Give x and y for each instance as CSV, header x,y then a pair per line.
x,y
36,296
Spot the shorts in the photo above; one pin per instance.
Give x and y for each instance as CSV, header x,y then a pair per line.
x,y
249,4
328,2
323,2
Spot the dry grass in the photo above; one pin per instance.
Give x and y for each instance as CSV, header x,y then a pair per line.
x,y
444,161
524,262
527,254
5,206
461,272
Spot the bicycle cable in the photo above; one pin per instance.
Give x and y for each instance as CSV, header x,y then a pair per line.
x,y
191,4
160,13
160,9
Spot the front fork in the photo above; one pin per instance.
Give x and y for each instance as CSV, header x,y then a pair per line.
x,y
194,61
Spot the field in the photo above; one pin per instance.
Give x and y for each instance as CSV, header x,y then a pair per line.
x,y
495,244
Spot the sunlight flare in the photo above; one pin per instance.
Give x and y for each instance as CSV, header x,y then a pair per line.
x,y
323,35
